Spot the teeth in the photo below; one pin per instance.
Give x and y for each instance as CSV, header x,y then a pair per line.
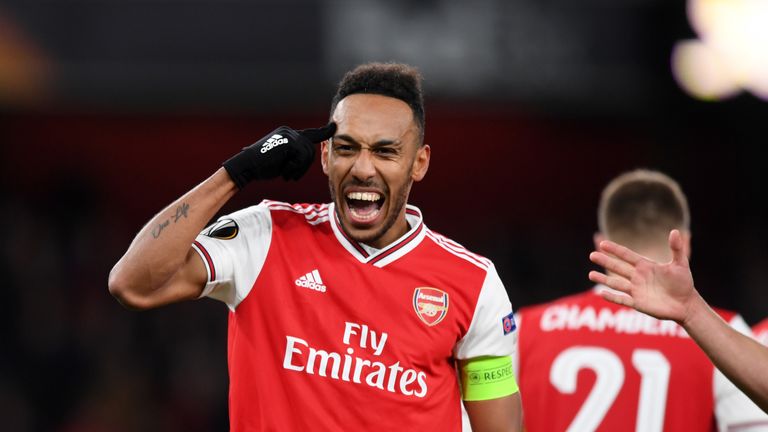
x,y
364,196
364,217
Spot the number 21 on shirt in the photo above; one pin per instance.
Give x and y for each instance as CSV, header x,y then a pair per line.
x,y
652,366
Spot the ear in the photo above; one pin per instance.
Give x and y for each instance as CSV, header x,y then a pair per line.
x,y
324,149
421,164
597,237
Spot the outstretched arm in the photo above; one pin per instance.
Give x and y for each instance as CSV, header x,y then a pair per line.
x,y
160,266
666,291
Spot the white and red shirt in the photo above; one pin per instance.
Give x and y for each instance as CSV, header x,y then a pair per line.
x,y
760,330
586,364
329,334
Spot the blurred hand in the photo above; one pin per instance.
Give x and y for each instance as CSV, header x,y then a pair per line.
x,y
664,291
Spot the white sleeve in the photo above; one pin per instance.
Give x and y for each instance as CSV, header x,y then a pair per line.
x,y
733,409
234,249
487,334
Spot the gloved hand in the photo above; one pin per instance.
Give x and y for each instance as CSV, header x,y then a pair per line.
x,y
283,152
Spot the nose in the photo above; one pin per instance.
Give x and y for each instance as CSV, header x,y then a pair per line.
x,y
363,168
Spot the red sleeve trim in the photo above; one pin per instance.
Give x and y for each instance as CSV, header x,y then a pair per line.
x,y
208,260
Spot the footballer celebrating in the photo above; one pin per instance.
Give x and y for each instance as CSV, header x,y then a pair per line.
x,y
348,315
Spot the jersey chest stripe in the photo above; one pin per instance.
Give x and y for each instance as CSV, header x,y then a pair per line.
x,y
314,214
319,220
440,242
311,217
462,250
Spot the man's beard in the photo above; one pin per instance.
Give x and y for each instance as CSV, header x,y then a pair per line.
x,y
394,212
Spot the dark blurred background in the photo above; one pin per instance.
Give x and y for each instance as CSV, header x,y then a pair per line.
x,y
110,109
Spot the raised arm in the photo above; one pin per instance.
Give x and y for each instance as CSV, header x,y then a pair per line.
x,y
666,291
160,266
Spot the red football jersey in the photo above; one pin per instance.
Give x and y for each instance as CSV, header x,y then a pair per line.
x,y
586,364
329,334
760,331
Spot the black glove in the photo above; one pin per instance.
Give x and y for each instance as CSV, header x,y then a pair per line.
x,y
283,152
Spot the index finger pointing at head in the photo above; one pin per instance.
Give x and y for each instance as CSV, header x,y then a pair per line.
x,y
317,135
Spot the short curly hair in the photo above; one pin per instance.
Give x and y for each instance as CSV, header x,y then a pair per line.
x,y
396,80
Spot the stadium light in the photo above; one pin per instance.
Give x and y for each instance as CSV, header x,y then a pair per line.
x,y
731,53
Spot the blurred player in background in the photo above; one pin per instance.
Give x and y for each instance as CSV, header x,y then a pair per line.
x,y
665,290
586,364
351,315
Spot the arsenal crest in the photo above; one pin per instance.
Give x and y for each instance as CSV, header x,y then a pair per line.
x,y
430,304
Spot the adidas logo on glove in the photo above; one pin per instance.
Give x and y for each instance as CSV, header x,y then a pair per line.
x,y
273,141
311,280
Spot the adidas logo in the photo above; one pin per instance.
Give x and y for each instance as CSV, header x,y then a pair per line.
x,y
311,280
273,141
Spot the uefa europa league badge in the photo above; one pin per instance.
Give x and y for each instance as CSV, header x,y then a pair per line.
x,y
430,305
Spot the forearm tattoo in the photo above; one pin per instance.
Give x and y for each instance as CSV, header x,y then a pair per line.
x,y
182,211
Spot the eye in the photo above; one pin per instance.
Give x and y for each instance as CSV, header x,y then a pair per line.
x,y
343,149
385,151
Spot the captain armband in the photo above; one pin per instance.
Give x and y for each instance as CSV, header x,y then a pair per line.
x,y
486,378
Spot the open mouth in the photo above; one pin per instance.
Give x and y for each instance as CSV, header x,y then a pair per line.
x,y
364,206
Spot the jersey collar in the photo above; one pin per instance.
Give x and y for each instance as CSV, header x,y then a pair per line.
x,y
388,254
